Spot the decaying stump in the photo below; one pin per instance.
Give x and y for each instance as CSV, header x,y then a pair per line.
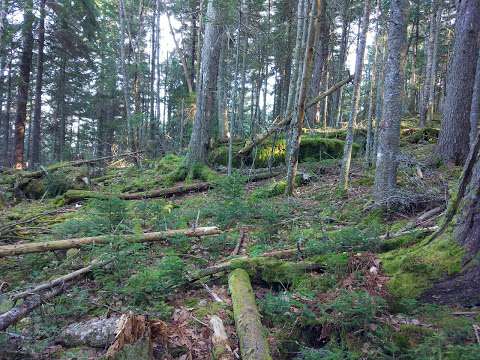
x,y
250,332
221,349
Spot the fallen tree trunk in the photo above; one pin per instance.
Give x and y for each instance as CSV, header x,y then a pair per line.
x,y
283,122
250,332
40,173
19,249
228,265
221,349
72,196
15,314
61,280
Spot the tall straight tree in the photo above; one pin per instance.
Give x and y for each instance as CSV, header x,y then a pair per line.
x,y
23,82
389,131
207,82
352,120
36,132
313,29
475,108
453,141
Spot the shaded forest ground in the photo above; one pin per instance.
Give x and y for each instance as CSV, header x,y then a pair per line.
x,y
365,302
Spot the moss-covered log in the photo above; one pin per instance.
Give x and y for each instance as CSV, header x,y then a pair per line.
x,y
72,196
265,268
19,249
250,332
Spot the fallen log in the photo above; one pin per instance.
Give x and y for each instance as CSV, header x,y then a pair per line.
x,y
40,173
72,196
221,349
61,280
31,303
250,332
228,265
283,122
19,249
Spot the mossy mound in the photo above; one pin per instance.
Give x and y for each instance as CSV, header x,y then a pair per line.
x,y
413,270
359,135
311,148
416,135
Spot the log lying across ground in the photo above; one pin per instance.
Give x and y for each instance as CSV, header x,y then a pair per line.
x,y
40,173
285,121
250,332
61,280
72,196
19,249
15,314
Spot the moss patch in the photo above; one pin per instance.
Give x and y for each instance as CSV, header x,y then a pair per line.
x,y
311,148
413,270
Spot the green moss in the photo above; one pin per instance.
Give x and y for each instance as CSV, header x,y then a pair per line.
x,y
410,336
412,270
416,135
311,148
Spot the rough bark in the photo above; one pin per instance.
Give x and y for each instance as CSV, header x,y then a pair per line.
x,y
372,91
453,141
352,120
19,249
319,61
464,287
23,83
250,332
300,108
199,141
36,132
389,131
475,108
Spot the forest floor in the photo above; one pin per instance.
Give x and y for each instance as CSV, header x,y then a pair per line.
x,y
364,303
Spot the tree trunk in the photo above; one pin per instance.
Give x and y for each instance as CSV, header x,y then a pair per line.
x,y
23,83
455,129
123,68
372,93
335,113
222,118
321,42
429,72
36,132
475,108
352,120
251,335
294,150
6,125
199,141
389,131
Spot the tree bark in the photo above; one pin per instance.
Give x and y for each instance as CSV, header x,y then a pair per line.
x,y
29,248
475,108
36,124
251,335
319,62
199,141
372,92
23,83
294,150
389,131
453,141
352,120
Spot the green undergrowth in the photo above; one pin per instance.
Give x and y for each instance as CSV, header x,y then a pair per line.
x,y
273,153
413,269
